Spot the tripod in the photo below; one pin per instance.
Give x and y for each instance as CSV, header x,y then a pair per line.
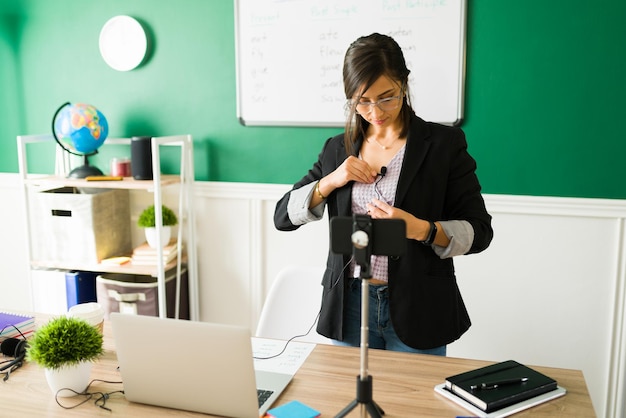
x,y
362,247
364,380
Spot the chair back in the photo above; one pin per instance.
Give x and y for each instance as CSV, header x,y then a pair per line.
x,y
292,305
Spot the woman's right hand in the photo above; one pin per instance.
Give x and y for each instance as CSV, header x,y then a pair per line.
x,y
352,169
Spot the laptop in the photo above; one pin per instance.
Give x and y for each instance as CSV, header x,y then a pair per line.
x,y
194,366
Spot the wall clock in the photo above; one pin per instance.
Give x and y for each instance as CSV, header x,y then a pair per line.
x,y
123,43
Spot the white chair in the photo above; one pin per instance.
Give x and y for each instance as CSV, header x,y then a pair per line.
x,y
292,305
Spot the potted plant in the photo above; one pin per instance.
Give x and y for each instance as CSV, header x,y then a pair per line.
x,y
66,348
147,221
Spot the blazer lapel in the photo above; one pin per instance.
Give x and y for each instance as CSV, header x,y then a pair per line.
x,y
344,194
417,145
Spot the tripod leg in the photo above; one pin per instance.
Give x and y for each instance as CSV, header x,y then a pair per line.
x,y
363,398
345,411
374,410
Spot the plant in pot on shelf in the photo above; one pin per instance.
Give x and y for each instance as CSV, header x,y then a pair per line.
x,y
66,348
147,221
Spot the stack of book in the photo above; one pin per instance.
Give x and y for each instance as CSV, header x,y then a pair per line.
x,y
500,389
15,326
144,255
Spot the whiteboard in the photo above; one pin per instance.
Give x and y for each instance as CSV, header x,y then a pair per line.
x,y
290,54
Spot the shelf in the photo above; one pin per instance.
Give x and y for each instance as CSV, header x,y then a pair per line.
x,y
44,182
127,268
129,183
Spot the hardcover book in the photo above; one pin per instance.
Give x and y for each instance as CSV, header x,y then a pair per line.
x,y
499,385
145,250
502,412
147,256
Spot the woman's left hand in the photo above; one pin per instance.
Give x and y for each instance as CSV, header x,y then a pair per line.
x,y
415,228
379,209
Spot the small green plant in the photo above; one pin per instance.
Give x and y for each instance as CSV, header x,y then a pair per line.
x,y
146,219
64,341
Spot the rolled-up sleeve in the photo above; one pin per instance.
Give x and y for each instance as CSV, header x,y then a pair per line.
x,y
298,206
461,236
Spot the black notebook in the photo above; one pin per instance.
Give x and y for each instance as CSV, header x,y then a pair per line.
x,y
499,385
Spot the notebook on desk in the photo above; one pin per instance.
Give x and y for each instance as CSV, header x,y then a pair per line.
x,y
194,366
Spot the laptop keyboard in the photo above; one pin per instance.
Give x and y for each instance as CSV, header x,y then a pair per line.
x,y
263,395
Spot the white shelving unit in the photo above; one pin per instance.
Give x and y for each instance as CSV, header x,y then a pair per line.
x,y
37,182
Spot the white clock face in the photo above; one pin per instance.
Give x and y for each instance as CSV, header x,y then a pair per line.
x,y
123,43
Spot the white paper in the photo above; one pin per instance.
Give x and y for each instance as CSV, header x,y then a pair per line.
x,y
269,355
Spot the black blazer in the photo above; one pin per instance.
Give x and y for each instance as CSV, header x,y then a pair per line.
x,y
437,183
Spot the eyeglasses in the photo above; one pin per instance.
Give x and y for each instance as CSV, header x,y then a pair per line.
x,y
387,104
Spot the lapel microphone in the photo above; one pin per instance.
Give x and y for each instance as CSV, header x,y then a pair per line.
x,y
383,171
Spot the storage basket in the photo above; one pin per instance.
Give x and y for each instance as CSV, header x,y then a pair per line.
x,y
80,225
138,294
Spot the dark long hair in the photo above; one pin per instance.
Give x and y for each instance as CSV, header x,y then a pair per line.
x,y
368,58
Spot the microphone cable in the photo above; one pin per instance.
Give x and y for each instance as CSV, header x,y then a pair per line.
x,y
100,397
333,285
13,347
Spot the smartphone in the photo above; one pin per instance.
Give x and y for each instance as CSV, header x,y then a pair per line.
x,y
386,236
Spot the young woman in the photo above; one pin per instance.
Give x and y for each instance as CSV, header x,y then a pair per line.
x,y
390,164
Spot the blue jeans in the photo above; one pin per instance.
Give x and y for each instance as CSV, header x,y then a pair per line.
x,y
381,333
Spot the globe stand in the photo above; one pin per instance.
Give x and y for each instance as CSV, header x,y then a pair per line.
x,y
85,170
393,236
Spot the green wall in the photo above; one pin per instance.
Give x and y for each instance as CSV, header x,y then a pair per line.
x,y
543,103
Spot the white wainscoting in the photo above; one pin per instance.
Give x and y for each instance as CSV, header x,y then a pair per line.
x,y
549,291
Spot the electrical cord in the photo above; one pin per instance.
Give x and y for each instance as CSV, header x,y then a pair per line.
x,y
100,397
14,367
333,285
19,359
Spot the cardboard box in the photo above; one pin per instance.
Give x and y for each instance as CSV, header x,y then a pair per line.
x,y
80,225
139,295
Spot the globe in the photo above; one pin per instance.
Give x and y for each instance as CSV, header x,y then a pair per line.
x,y
80,129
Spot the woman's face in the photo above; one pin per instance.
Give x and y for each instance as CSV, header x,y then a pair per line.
x,y
381,103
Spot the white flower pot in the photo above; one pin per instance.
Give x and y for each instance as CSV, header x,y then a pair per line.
x,y
74,377
151,236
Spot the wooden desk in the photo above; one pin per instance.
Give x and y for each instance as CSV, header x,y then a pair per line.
x,y
403,387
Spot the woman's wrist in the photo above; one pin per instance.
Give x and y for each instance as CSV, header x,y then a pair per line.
x,y
318,192
431,234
